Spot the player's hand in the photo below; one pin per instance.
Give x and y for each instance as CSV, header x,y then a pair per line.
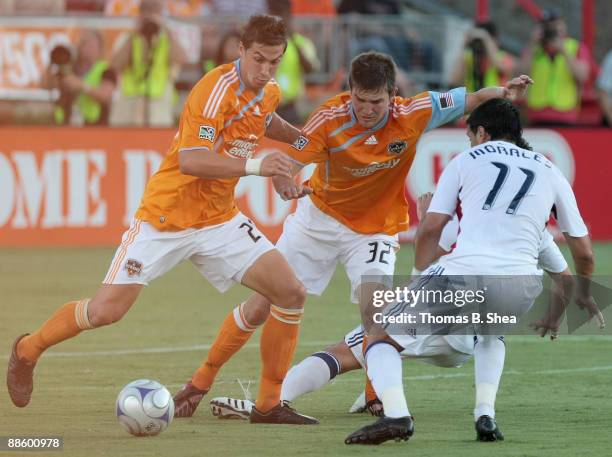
x,y
515,88
544,326
288,189
422,204
375,407
591,307
276,164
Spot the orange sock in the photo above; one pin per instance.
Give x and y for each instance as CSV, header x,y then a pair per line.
x,y
68,321
234,333
278,342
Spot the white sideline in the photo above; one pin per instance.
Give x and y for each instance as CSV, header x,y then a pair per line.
x,y
317,344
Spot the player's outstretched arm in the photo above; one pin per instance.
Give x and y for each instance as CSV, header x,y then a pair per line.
x,y
513,90
205,164
584,262
280,130
427,239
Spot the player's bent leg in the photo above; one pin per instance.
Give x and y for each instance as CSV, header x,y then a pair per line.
x,y
235,331
317,370
279,336
108,305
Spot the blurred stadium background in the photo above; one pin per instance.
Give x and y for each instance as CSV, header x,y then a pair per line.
x,y
84,123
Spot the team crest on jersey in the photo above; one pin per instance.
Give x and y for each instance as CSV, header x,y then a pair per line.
x,y
397,147
207,133
133,267
300,143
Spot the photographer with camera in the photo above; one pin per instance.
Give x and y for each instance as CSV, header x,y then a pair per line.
x,y
560,66
84,81
482,63
149,61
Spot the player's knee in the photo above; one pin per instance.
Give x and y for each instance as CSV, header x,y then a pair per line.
x,y
104,313
342,353
295,295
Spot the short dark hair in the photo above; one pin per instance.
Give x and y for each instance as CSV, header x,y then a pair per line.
x,y
372,71
500,119
265,29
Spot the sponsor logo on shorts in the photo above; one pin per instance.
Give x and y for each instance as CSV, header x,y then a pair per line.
x,y
372,168
300,143
133,267
397,147
207,133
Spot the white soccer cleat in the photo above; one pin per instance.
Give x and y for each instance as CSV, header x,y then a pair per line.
x,y
359,406
231,408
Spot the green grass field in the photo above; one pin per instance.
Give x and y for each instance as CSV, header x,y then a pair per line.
x,y
553,400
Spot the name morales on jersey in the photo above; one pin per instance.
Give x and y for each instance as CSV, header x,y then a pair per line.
x,y
513,152
207,133
372,168
397,147
241,149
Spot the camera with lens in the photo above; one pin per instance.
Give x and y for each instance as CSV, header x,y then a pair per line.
x,y
478,47
61,57
549,33
149,28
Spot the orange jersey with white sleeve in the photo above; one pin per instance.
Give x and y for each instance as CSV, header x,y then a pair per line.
x,y
360,173
220,114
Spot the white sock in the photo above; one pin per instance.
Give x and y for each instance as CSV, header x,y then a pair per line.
x,y
310,375
384,366
489,355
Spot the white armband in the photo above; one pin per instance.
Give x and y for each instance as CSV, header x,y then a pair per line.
x,y
253,167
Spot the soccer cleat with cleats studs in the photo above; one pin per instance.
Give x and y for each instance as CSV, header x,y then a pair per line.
x,y
487,429
20,377
187,399
231,408
384,429
281,414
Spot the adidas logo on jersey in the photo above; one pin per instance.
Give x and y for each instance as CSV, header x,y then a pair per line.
x,y
371,140
256,111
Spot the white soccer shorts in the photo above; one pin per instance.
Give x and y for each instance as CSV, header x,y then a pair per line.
x,y
313,243
448,351
222,253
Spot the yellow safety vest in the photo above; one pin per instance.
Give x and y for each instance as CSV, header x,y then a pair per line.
x,y
89,108
134,80
554,86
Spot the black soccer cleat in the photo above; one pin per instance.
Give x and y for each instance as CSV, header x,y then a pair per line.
x,y
281,414
384,429
487,429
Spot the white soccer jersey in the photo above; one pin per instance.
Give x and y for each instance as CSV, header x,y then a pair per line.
x,y
506,195
550,257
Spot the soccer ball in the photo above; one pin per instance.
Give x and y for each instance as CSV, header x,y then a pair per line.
x,y
145,407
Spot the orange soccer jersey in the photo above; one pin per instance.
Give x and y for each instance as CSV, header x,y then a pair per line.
x,y
360,173
224,116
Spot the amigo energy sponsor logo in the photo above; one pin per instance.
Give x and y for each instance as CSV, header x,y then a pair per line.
x,y
372,168
240,148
